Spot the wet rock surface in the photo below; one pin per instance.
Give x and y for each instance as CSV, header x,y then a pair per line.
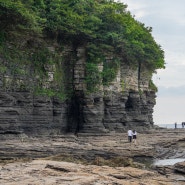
x,y
97,159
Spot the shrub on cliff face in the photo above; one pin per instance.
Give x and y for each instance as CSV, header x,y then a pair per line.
x,y
104,24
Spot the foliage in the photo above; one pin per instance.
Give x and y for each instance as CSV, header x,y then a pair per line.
x,y
105,27
49,93
93,77
16,14
123,86
2,37
110,70
39,59
152,86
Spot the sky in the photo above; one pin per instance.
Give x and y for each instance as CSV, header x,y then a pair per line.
x,y
167,19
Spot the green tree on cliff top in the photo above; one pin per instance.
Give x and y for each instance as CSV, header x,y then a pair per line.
x,y
103,25
99,21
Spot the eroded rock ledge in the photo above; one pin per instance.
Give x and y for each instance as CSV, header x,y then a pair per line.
x,y
43,172
101,159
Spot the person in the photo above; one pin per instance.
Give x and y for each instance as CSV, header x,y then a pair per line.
x,y
130,134
175,125
182,124
134,137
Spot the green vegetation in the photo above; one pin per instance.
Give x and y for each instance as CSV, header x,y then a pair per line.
x,y
110,70
152,86
93,78
123,86
105,27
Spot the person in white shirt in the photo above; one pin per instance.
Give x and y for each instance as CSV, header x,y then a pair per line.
x,y
130,134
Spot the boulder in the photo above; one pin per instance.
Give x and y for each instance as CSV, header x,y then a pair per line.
x,y
180,167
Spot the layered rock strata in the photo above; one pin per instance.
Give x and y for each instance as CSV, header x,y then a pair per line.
x,y
126,102
43,172
92,158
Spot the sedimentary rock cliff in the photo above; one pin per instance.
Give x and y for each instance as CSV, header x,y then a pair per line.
x,y
75,67
126,101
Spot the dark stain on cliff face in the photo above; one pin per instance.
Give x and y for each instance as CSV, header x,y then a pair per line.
x,y
75,113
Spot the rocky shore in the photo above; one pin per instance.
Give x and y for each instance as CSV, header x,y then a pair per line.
x,y
92,159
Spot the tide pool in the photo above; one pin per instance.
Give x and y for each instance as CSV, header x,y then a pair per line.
x,y
165,162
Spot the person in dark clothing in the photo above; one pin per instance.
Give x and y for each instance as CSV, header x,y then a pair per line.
x,y
134,137
183,124
175,125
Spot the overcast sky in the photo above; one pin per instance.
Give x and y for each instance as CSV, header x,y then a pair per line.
x,y
167,18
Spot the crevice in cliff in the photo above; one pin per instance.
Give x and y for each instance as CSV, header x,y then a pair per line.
x,y
75,113
139,74
129,103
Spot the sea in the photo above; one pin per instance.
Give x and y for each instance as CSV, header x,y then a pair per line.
x,y
170,125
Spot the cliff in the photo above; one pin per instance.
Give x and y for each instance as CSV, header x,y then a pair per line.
x,y
56,82
116,106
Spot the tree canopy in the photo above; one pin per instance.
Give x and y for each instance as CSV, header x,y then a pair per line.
x,y
103,25
104,22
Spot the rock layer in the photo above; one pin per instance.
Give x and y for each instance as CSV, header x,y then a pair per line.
x,y
97,159
41,172
125,102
